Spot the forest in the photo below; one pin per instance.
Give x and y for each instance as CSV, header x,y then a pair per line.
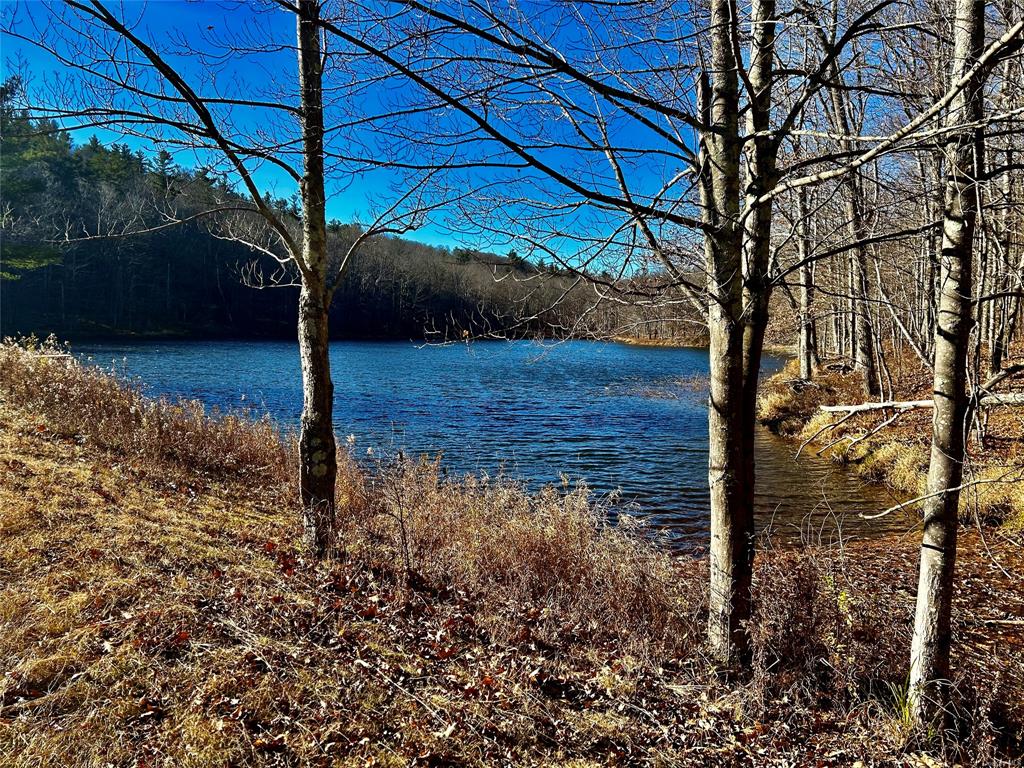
x,y
72,268
844,179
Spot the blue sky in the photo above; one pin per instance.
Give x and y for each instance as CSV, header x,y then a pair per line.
x,y
197,23
191,34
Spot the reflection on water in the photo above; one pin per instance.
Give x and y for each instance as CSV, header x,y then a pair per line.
x,y
619,417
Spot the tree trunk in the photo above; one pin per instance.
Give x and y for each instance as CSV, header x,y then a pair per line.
x,y
930,650
737,262
999,308
318,467
852,310
731,481
761,177
808,342
862,341
865,343
730,468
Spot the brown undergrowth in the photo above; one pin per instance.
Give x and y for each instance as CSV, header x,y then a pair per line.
x,y
896,453
156,609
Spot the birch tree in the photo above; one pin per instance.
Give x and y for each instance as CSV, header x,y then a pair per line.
x,y
929,658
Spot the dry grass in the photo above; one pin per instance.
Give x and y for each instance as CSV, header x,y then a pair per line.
x,y
787,404
545,566
101,409
148,622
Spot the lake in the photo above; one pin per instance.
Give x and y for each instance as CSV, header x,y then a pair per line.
x,y
622,418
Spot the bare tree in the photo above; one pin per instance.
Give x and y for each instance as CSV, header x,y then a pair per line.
x,y
929,658
110,74
667,144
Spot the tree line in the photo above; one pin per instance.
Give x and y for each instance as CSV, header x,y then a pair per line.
x,y
72,266
854,165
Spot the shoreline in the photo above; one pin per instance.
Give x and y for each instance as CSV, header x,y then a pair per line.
x,y
786,412
776,350
786,506
157,601
894,456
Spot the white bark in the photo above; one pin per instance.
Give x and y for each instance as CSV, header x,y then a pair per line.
x,y
930,648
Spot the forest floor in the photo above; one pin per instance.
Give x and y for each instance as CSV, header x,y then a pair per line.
x,y
156,608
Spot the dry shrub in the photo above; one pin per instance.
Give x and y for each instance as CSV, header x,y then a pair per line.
x,y
91,405
819,635
547,567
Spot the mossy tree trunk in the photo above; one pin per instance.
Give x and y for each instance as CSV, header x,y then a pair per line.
x,y
318,466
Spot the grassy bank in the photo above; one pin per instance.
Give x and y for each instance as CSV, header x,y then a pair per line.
x,y
893,449
157,610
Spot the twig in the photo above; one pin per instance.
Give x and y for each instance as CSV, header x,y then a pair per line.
x,y
879,428
827,427
433,712
927,496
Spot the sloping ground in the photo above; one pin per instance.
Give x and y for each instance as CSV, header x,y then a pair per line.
x,y
152,615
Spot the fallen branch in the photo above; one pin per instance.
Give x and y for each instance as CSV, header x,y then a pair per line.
x,y
1006,373
925,497
810,439
902,405
983,397
985,401
1009,398
876,429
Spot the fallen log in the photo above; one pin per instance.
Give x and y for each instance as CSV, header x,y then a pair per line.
x,y
901,405
1010,398
986,401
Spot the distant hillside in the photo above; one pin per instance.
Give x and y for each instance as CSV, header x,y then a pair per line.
x,y
74,264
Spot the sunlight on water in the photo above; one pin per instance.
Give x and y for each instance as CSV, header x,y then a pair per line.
x,y
619,417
